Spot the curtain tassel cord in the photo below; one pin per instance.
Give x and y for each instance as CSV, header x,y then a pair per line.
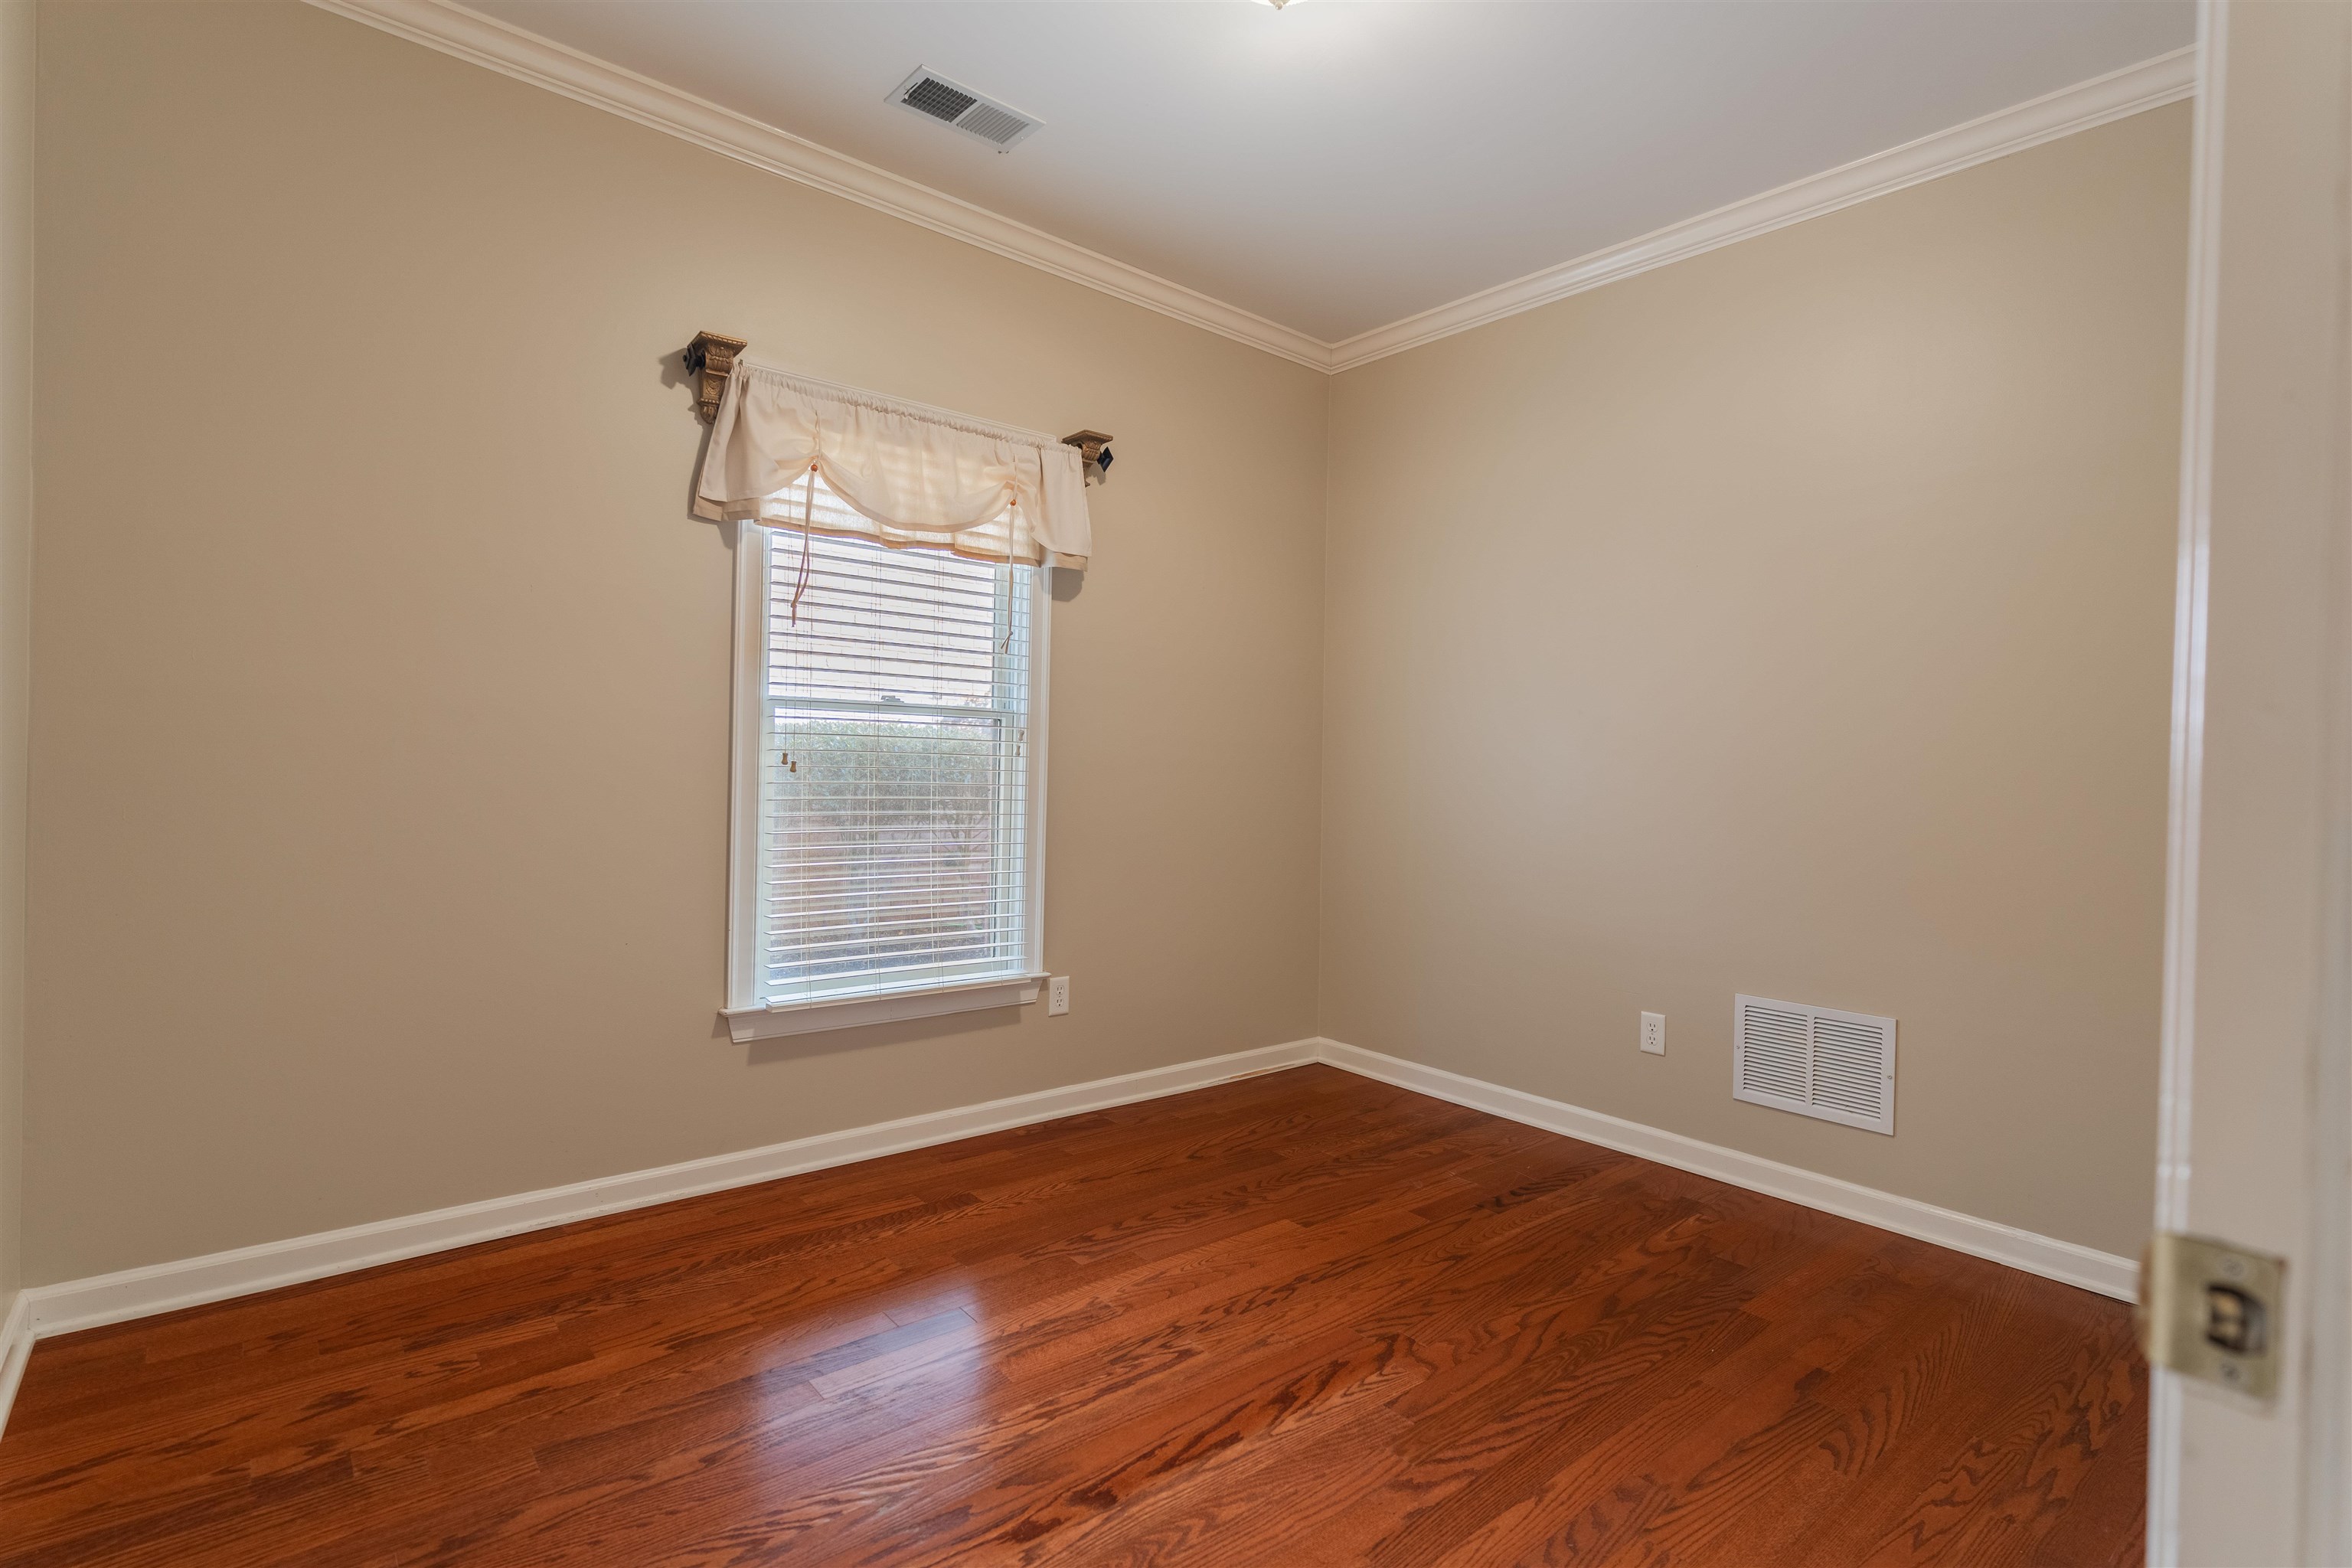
x,y
808,521
1011,528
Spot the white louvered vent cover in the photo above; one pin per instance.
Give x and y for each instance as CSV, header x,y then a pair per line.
x,y
950,103
1815,1061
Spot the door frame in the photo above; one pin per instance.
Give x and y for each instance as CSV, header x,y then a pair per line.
x,y
2306,1466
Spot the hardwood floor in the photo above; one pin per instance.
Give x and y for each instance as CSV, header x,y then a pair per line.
x,y
1302,1319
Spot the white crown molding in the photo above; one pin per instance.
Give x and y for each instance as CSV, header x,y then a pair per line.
x,y
2047,1256
527,57
2167,78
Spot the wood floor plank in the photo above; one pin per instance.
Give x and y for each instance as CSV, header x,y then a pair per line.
x,y
1297,1319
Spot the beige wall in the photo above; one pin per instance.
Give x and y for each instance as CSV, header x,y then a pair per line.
x,y
379,751
1793,620
17,82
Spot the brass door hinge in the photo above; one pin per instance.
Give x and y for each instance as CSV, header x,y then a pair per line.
x,y
2211,1311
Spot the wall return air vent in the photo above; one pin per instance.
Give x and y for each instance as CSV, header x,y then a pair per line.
x,y
930,94
1815,1061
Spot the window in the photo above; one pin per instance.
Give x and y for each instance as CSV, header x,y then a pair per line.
x,y
889,796
889,788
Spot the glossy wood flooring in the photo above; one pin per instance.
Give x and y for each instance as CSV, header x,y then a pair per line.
x,y
1301,1319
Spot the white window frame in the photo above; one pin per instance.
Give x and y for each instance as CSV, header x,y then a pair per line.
x,y
747,1017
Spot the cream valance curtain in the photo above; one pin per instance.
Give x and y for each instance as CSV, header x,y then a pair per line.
x,y
791,451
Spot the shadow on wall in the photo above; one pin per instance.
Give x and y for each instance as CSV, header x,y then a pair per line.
x,y
836,1041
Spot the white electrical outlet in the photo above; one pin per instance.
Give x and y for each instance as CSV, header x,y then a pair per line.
x,y
1653,1032
1058,997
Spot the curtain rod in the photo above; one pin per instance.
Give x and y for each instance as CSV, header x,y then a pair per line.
x,y
711,358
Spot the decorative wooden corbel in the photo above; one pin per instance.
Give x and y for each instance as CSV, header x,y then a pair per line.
x,y
710,359
1094,447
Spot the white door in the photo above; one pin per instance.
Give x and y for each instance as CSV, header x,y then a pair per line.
x,y
2257,1102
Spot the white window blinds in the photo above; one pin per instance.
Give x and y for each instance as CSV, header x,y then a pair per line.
x,y
893,841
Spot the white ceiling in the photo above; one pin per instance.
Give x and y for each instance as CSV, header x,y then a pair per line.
x,y
1335,166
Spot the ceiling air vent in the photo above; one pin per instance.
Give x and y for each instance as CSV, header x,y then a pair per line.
x,y
1815,1061
928,93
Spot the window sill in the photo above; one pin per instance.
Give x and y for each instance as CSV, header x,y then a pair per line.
x,y
889,1006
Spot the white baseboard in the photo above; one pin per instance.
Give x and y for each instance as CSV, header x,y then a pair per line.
x,y
190,1282
44,1309
2046,1256
15,1349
